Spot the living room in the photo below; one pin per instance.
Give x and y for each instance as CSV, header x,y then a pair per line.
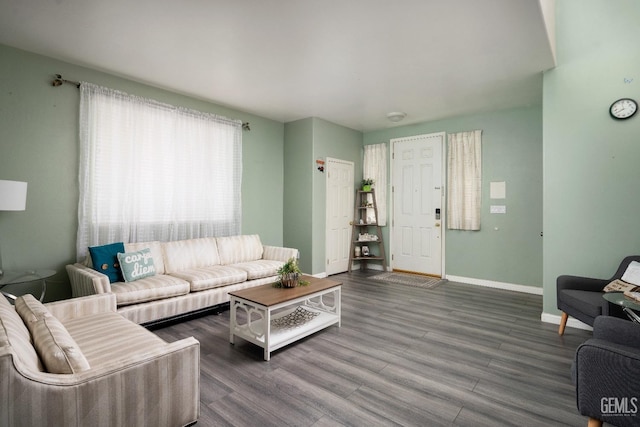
x,y
570,169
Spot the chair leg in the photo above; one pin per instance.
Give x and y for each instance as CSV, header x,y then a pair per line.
x,y
563,323
594,423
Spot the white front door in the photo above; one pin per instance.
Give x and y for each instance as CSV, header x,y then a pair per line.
x,y
340,195
417,204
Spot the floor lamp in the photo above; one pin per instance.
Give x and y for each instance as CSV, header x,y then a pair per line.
x,y
13,197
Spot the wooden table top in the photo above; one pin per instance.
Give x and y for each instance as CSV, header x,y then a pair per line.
x,y
268,295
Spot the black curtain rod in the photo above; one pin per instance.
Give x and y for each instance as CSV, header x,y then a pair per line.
x,y
58,81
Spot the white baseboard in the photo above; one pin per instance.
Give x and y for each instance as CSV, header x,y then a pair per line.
x,y
499,285
544,317
571,322
356,266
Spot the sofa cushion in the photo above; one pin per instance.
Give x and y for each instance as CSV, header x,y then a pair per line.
x,y
137,265
58,351
590,303
212,277
192,253
105,260
107,337
30,310
156,252
238,249
151,288
13,332
260,268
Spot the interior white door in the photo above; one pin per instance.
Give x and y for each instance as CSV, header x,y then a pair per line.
x,y
417,204
340,196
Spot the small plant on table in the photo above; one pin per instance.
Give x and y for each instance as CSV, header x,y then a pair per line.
x,y
290,275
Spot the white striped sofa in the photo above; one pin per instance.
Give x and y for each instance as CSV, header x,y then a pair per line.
x,y
191,275
79,363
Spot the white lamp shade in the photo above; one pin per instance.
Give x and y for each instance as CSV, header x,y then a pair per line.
x,y
13,195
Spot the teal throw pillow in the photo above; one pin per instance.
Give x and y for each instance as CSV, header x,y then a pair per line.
x,y
136,265
105,260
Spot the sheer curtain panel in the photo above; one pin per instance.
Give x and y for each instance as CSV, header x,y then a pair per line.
x,y
464,164
151,171
375,167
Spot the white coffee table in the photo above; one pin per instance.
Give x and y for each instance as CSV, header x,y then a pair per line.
x,y
272,318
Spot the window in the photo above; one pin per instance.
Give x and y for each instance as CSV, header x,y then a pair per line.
x,y
152,171
375,167
464,163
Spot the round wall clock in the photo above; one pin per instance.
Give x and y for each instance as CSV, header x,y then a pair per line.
x,y
623,108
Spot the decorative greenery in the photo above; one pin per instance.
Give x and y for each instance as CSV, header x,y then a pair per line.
x,y
289,269
368,181
291,266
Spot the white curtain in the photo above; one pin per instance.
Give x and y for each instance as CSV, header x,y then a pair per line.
x,y
464,167
375,167
152,171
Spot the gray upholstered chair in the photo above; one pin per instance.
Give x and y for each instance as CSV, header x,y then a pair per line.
x,y
606,373
581,297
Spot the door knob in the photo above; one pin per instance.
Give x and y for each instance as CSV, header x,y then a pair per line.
x,y
437,224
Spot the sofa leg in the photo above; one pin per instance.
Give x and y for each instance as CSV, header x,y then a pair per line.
x,y
594,423
563,323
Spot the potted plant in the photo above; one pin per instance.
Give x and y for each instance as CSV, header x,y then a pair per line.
x,y
290,275
366,184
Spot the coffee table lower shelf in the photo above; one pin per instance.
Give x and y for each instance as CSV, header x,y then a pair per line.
x,y
260,324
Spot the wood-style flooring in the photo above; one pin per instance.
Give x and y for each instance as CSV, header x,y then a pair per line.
x,y
456,355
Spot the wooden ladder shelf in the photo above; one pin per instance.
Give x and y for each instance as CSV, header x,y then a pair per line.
x,y
370,246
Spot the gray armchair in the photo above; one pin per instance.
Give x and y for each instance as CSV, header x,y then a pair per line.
x,y
581,297
607,373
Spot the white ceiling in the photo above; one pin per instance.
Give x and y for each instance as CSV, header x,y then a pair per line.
x,y
346,61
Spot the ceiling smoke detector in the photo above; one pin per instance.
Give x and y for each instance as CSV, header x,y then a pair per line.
x,y
396,116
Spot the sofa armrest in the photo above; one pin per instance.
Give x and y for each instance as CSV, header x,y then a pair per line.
x,y
87,281
83,306
276,253
617,331
606,371
159,388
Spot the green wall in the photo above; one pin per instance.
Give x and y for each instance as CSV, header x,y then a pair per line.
x,y
298,182
591,172
511,152
589,163
306,141
338,142
39,144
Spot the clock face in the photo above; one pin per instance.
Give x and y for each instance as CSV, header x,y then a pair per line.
x,y
623,108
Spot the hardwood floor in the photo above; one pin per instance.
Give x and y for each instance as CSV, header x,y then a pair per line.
x,y
458,355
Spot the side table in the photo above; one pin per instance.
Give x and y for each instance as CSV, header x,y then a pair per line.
x,y
22,277
629,306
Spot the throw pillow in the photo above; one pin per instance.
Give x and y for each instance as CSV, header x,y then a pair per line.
x,y
56,348
136,265
105,260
